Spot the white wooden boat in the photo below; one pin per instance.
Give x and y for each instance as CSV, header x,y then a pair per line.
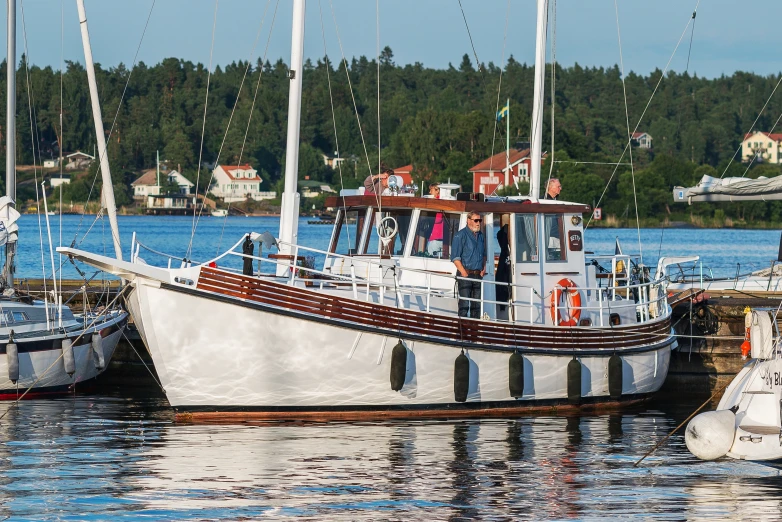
x,y
375,331
220,212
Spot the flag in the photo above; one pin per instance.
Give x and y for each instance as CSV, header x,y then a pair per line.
x,y
503,112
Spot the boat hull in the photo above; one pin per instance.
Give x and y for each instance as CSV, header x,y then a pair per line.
x,y
262,361
41,367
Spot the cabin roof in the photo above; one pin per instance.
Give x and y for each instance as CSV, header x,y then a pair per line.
x,y
450,205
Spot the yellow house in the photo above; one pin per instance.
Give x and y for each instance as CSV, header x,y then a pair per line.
x,y
764,147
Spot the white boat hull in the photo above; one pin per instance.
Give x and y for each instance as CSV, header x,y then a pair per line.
x,y
258,360
43,370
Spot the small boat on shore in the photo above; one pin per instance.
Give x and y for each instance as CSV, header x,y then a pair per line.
x,y
220,212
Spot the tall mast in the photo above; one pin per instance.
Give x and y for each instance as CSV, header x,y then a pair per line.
x,y
10,132
108,189
289,219
536,139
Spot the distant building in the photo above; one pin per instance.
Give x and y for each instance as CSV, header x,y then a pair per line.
x,y
332,162
312,188
763,147
147,184
57,180
236,183
168,201
500,171
78,160
643,140
51,163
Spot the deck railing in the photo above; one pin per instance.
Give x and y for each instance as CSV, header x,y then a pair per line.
x,y
644,301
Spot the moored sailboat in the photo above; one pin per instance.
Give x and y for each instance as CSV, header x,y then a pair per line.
x,y
44,347
376,331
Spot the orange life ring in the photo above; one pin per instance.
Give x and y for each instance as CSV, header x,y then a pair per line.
x,y
573,297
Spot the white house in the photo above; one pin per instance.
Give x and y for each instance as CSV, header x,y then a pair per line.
x,y
51,163
78,160
236,183
643,139
332,162
764,147
59,179
147,184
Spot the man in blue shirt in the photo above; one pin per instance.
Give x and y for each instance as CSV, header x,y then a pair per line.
x,y
468,253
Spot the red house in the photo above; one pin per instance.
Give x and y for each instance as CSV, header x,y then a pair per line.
x,y
492,174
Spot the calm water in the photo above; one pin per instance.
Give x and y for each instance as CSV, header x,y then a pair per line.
x,y
119,456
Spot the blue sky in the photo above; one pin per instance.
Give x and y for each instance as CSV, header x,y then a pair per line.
x,y
727,37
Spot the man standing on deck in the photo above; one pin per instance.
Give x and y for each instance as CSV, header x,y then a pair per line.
x,y
468,254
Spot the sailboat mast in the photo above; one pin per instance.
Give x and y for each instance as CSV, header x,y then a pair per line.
x,y
10,132
108,189
289,219
536,144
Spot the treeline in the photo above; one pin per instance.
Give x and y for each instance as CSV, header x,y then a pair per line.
x,y
440,120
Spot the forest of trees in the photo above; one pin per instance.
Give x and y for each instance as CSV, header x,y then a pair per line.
x,y
440,120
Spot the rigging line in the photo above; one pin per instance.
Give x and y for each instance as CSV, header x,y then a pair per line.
x,y
352,94
203,131
116,117
472,44
590,162
33,135
252,107
553,84
499,90
646,108
692,35
60,141
629,134
230,121
334,120
377,50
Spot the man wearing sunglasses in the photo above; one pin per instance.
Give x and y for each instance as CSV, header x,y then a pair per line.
x,y
468,254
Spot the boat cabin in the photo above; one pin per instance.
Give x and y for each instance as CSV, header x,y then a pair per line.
x,y
537,250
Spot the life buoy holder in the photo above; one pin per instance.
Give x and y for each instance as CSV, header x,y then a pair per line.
x,y
573,296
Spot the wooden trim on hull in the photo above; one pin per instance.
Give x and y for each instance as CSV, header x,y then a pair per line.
x,y
410,324
207,414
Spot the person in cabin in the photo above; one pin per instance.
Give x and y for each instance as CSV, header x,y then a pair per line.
x,y
553,188
503,274
468,254
434,245
378,183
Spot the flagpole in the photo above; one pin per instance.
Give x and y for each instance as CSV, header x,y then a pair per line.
x,y
507,146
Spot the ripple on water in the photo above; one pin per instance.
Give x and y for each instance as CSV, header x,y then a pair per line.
x,y
94,458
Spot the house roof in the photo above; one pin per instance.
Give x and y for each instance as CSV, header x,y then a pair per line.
x,y
148,178
228,169
80,153
497,162
774,136
637,135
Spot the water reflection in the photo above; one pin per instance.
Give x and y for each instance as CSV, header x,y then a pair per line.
x,y
103,457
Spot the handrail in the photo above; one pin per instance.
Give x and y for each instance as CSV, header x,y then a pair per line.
x,y
607,299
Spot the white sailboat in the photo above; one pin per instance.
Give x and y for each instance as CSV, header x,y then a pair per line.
x,y
375,331
44,347
747,424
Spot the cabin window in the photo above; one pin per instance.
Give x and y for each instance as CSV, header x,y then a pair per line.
x,y
434,233
526,239
396,245
555,233
349,226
